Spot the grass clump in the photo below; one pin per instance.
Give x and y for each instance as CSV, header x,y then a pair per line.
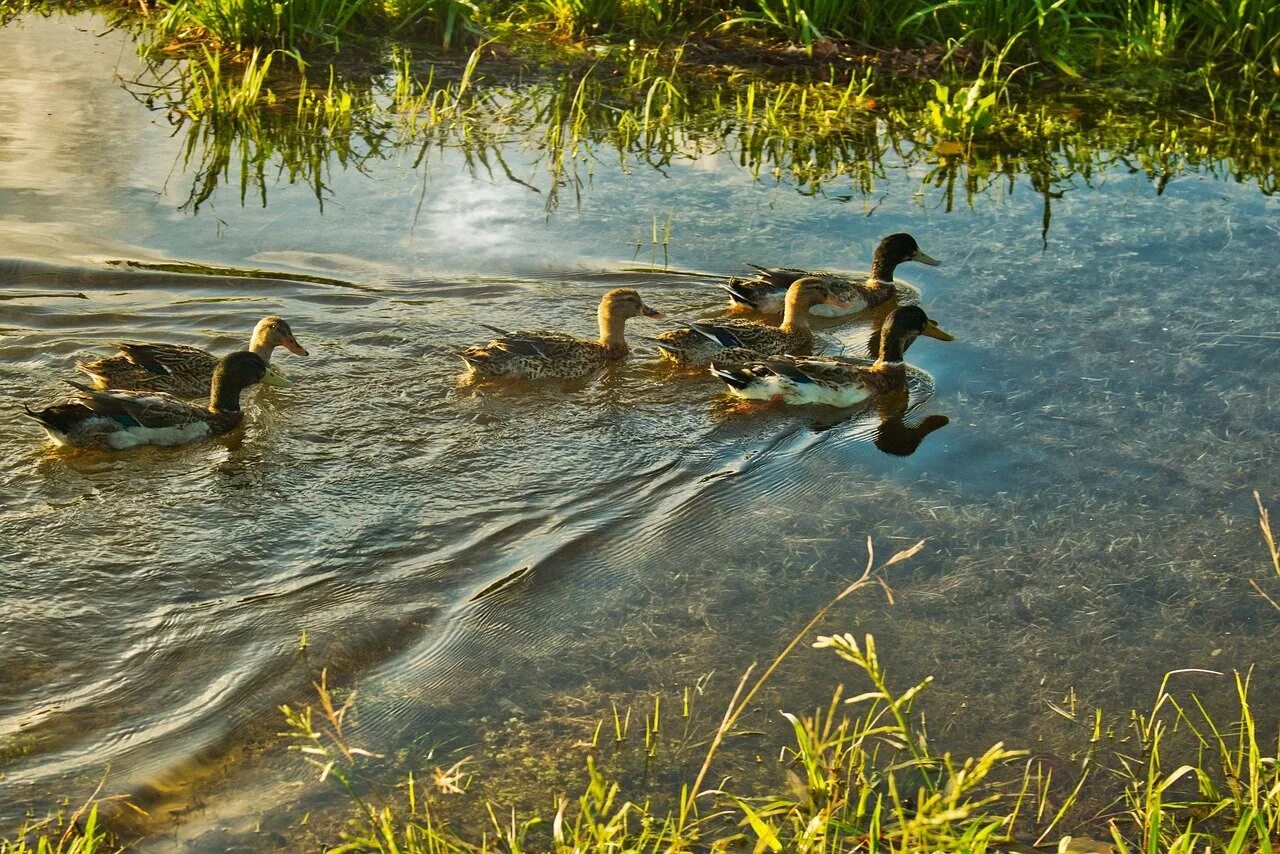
x,y
77,832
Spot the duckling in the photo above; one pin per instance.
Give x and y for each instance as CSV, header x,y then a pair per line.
x,y
557,355
836,381
118,419
766,292
736,341
185,371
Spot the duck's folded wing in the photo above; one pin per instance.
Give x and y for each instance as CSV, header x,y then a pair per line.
x,y
828,372
163,359
723,334
779,277
141,408
542,345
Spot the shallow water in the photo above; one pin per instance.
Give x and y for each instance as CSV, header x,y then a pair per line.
x,y
1111,401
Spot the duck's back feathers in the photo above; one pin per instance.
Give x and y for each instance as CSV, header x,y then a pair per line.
x,y
173,368
831,381
534,355
139,408
729,341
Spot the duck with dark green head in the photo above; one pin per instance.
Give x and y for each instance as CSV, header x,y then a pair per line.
x,y
835,380
116,419
767,291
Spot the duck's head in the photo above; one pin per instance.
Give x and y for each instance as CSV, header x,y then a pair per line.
x,y
235,373
620,304
273,331
905,325
898,249
811,291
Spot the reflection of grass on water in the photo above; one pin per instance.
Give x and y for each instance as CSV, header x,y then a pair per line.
x,y
259,119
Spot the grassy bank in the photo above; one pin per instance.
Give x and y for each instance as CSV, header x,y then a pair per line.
x,y
1077,37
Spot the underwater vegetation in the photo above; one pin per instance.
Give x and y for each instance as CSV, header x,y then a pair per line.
x,y
863,773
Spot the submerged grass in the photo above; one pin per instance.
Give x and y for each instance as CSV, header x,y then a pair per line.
x,y
861,773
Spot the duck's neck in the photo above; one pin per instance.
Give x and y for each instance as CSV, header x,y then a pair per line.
x,y
224,396
795,313
261,345
891,349
612,331
882,267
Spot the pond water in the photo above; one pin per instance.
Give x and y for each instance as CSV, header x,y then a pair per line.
x,y
1088,508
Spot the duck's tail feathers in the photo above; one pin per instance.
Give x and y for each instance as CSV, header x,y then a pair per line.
x,y
31,413
664,346
739,294
736,379
497,330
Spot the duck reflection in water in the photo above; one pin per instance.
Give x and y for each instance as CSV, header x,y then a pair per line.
x,y
891,430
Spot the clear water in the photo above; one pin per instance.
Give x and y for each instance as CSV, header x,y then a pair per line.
x,y
1088,508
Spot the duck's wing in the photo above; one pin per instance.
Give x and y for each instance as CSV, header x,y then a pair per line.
x,y
139,408
527,345
779,277
755,293
828,372
166,359
725,333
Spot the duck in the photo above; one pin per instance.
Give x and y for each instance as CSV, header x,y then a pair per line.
x,y
834,380
735,341
534,355
117,419
766,292
185,371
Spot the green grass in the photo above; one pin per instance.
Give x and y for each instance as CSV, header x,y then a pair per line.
x,y
1069,38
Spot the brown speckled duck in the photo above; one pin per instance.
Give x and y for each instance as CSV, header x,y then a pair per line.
x,y
557,355
117,419
185,371
836,381
736,341
862,291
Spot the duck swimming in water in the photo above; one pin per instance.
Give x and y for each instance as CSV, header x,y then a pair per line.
x,y
185,371
118,419
836,381
735,341
558,355
767,291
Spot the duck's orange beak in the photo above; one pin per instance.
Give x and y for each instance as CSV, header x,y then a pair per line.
x,y
652,313
933,330
291,344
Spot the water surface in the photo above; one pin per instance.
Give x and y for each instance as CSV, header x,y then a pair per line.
x,y
1088,508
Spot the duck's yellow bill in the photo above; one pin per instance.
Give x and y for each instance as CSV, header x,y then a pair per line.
x,y
933,330
924,258
273,377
